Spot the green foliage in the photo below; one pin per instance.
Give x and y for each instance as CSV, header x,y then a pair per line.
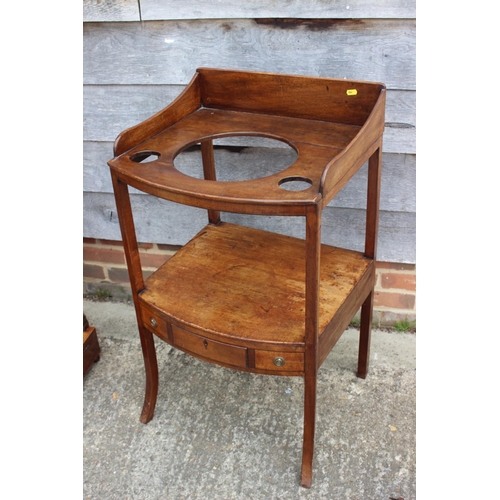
x,y
102,294
356,322
405,326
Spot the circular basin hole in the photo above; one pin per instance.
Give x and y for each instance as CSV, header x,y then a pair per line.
x,y
239,158
295,183
145,156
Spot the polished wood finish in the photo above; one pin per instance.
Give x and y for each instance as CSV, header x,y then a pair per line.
x,y
210,350
133,260
91,347
240,297
257,281
292,96
373,203
186,103
207,156
313,266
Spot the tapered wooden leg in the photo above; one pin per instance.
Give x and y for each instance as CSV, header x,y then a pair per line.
x,y
309,428
133,258
313,257
365,336
151,367
372,219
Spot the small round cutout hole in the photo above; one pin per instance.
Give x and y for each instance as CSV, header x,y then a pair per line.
x,y
295,183
145,156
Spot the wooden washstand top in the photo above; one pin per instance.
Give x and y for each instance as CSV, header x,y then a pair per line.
x,y
333,125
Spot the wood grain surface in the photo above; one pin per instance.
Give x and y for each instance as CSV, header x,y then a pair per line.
x,y
254,290
168,52
133,10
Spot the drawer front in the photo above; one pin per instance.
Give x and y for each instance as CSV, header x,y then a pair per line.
x,y
279,361
154,322
210,349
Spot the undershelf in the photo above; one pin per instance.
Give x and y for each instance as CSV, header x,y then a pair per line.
x,y
246,286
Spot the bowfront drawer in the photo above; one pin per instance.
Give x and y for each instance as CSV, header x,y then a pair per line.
x,y
209,349
154,322
279,361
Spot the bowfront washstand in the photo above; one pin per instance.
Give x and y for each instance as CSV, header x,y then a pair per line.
x,y
240,297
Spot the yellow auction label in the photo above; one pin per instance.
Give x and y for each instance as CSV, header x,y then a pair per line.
x,y
352,92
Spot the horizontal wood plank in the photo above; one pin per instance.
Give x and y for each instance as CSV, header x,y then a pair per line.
x,y
168,52
233,162
399,139
345,227
228,9
109,109
150,10
161,221
110,10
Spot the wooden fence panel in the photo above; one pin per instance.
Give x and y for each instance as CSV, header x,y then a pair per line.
x,y
201,9
111,10
161,221
168,52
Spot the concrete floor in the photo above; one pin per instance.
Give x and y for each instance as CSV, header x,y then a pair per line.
x,y
224,434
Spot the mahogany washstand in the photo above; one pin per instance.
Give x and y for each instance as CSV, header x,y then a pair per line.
x,y
240,297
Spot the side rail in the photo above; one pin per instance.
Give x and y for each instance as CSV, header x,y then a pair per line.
x,y
368,140
187,102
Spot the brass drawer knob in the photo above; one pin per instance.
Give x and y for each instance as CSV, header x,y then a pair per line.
x,y
279,361
153,322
